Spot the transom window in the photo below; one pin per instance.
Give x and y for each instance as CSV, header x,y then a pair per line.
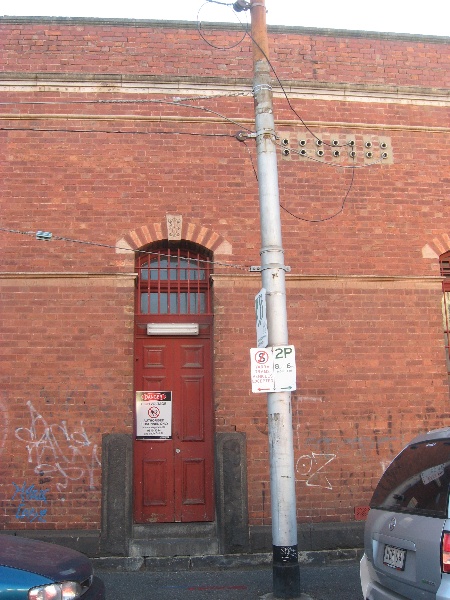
x,y
174,279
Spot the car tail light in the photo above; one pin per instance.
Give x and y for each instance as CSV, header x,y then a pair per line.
x,y
445,552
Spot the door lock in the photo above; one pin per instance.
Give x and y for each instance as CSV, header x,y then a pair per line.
x,y
177,450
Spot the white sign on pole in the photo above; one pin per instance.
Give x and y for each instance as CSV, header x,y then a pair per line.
x,y
153,415
284,370
273,369
262,370
262,331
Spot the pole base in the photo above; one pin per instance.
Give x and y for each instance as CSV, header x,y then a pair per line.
x,y
286,573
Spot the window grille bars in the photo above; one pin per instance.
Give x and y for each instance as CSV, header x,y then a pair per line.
x,y
174,281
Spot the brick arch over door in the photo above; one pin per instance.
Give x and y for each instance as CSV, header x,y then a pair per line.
x,y
193,232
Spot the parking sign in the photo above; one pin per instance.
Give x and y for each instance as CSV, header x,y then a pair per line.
x,y
273,369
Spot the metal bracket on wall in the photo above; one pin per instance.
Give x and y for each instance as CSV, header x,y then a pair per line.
x,y
241,136
256,269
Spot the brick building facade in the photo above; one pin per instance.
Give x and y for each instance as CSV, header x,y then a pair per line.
x,y
120,139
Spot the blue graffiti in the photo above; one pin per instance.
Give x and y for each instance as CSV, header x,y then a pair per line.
x,y
26,495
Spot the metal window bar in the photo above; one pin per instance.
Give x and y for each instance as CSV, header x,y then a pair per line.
x,y
445,266
176,281
445,314
188,278
159,284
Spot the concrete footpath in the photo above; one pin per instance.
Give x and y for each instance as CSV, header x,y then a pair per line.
x,y
323,576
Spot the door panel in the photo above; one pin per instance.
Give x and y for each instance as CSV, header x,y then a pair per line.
x,y
173,479
155,482
154,356
192,409
193,478
192,356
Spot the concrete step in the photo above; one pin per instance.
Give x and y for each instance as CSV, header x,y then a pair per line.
x,y
174,539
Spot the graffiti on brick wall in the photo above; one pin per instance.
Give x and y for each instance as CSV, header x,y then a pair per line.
x,y
60,453
4,422
30,501
310,468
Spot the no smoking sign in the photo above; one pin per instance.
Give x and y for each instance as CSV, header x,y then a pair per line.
x,y
273,369
153,412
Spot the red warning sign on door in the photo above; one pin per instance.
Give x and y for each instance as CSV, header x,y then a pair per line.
x,y
153,415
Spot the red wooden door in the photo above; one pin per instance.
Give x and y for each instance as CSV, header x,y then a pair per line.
x,y
173,479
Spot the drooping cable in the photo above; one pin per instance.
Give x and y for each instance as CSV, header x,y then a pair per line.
x,y
200,32
117,131
122,249
322,220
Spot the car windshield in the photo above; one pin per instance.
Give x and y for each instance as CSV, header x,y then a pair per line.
x,y
417,481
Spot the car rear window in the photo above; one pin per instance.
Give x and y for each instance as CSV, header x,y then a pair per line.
x,y
417,481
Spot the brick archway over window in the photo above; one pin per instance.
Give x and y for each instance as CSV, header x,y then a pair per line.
x,y
436,247
154,232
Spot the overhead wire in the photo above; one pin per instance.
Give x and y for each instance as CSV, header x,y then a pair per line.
x,y
147,101
199,27
251,158
173,103
175,100
117,131
202,108
353,167
247,33
323,219
123,249
217,2
284,91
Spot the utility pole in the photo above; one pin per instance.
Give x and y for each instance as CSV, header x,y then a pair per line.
x,y
286,572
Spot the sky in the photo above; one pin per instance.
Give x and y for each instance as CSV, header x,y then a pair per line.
x,y
394,16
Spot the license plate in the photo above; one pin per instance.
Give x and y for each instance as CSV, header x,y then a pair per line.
x,y
394,557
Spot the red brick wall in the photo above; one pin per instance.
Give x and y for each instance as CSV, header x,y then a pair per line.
x,y
146,48
370,376
364,318
67,354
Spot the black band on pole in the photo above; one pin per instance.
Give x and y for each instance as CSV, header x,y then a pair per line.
x,y
286,572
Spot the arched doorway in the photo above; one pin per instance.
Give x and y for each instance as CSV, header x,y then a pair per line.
x,y
173,442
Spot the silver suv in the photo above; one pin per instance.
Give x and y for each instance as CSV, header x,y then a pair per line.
x,y
407,533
